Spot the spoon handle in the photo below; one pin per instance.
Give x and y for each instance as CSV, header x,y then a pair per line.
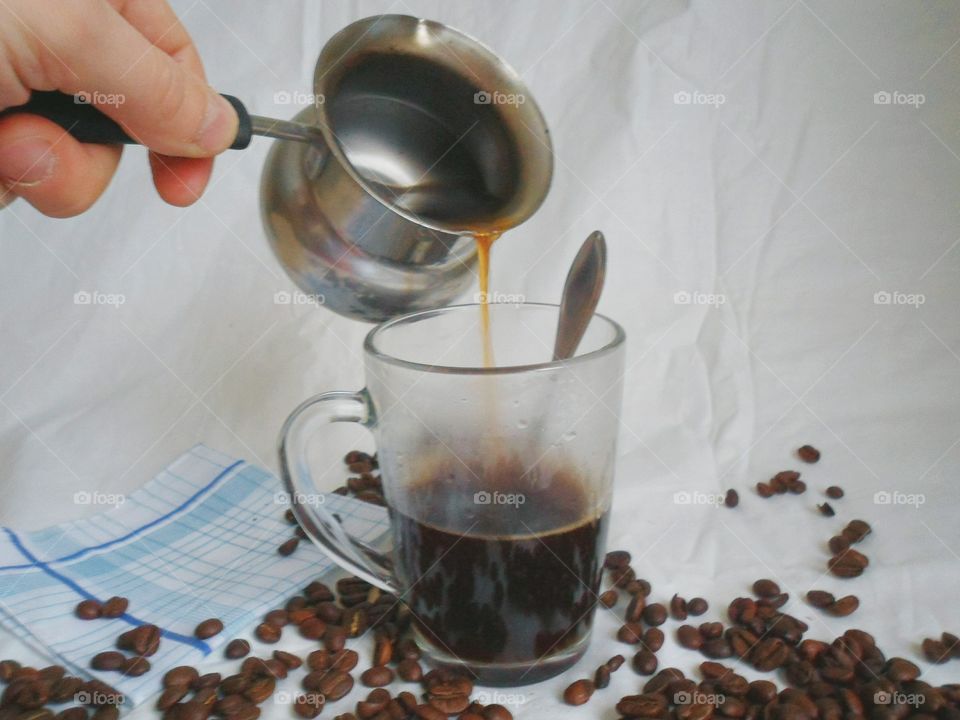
x,y
85,122
581,293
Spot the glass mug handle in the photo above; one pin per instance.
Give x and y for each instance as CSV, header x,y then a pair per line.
x,y
317,522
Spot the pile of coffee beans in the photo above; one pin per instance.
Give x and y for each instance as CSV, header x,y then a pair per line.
x,y
29,692
366,486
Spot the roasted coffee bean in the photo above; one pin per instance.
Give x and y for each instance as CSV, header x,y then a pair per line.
x,y
289,546
312,628
354,621
114,607
857,530
496,712
697,606
289,660
27,694
631,633
209,680
622,577
952,643
834,492
653,639
773,601
409,670
616,559
900,670
7,670
65,689
764,490
72,713
382,651
237,649
678,608
765,588
229,704
235,684
655,614
578,692
848,564
601,678
309,705
935,651
639,586
732,498
826,509
689,637
609,598
111,712
260,689
844,606
267,633
614,663
717,648
635,609
808,454
782,481
171,696
281,617
377,676
344,660
741,641
769,654
838,544
820,598
109,660
181,676
88,610
334,638
336,684
143,640
711,630
647,705
208,628
762,692
319,660
713,670
136,666
645,662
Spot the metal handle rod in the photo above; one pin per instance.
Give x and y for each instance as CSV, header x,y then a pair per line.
x,y
284,129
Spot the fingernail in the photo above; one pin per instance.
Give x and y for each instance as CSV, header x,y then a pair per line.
x,y
218,131
27,161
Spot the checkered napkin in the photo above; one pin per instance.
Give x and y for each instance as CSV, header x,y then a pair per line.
x,y
198,541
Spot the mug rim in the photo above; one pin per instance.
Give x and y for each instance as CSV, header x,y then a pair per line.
x,y
371,350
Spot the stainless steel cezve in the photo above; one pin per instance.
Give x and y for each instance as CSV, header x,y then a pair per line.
x,y
425,138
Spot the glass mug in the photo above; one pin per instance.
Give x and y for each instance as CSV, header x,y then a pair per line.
x,y
497,480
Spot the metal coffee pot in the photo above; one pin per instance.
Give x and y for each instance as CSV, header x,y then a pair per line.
x,y
420,138
425,138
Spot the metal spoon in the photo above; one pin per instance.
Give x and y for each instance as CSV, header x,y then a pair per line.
x,y
581,293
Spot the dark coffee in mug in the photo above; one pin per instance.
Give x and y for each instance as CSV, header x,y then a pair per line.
x,y
502,565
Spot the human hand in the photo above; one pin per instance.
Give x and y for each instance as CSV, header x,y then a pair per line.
x,y
137,62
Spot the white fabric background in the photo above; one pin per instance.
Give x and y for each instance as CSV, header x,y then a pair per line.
x,y
796,200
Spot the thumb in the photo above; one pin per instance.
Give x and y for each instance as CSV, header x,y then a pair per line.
x,y
158,101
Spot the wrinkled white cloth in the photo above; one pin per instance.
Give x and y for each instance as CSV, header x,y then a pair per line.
x,y
783,255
